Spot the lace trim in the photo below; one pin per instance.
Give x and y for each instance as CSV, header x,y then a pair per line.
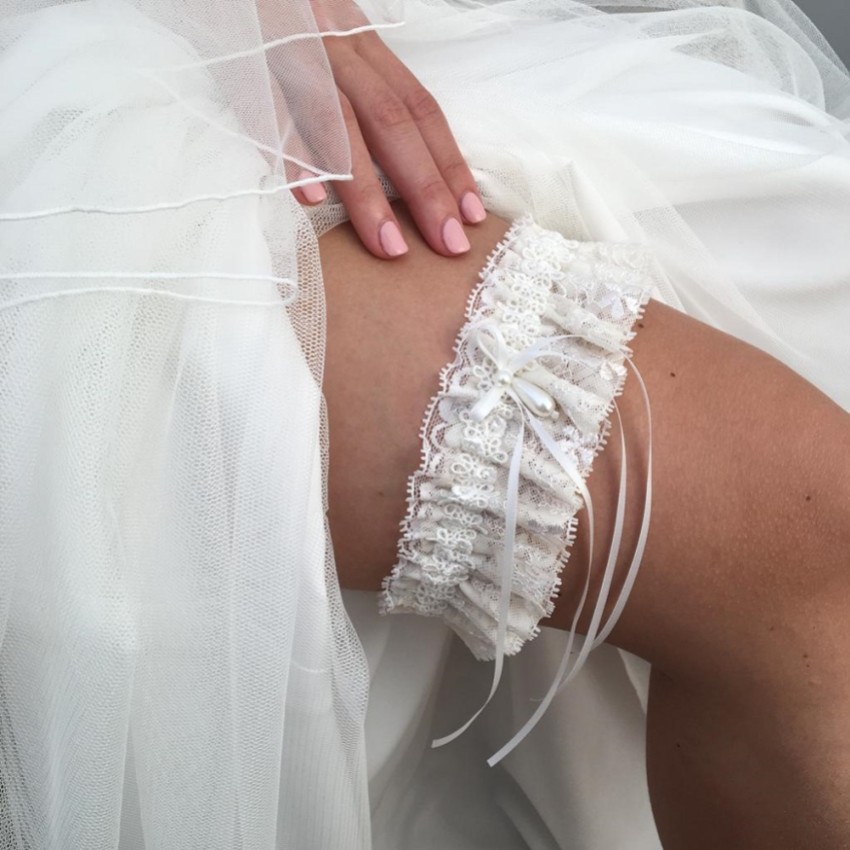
x,y
545,339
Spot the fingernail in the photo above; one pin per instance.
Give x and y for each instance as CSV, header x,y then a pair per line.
x,y
472,208
314,193
454,238
391,239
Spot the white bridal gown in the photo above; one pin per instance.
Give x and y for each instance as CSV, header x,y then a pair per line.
x,y
177,670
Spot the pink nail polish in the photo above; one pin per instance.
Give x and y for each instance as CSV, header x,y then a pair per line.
x,y
391,239
472,208
314,193
454,238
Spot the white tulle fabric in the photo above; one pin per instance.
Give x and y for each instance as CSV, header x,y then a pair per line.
x,y
545,339
176,667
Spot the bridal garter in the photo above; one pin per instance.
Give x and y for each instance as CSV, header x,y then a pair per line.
x,y
509,441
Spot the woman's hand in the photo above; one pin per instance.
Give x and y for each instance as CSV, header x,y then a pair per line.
x,y
393,119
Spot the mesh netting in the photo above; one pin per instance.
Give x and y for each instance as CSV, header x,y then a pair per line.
x,y
170,621
176,669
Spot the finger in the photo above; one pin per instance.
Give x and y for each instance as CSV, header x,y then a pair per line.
x,y
394,140
311,193
432,124
364,198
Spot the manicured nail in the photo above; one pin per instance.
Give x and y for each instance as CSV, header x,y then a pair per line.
x,y
454,238
472,208
314,193
391,239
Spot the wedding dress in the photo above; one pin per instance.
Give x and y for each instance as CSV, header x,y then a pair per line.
x,y
177,666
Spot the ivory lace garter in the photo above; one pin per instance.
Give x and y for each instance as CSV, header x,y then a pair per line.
x,y
509,441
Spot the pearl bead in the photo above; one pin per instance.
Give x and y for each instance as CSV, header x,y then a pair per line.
x,y
504,378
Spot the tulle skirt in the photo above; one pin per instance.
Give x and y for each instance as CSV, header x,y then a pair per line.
x,y
177,668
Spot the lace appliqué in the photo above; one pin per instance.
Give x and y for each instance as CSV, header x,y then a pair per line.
x,y
546,338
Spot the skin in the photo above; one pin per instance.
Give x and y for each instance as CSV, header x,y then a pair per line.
x,y
741,601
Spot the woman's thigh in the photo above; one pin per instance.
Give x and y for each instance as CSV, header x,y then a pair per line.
x,y
740,603
749,474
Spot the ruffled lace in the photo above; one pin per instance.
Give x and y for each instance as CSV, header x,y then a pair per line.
x,y
545,339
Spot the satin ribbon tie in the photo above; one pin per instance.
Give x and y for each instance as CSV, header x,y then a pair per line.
x,y
513,377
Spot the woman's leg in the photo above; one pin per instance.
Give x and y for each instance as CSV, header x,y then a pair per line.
x,y
741,601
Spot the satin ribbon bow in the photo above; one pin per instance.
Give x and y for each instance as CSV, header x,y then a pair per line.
x,y
513,377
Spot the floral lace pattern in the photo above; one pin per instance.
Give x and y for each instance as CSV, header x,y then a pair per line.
x,y
546,338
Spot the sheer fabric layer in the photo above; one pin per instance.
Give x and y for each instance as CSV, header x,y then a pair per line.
x,y
176,669
176,666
